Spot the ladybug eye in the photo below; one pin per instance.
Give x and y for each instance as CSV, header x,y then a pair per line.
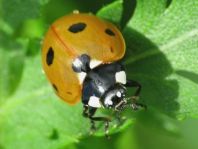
x,y
78,27
109,32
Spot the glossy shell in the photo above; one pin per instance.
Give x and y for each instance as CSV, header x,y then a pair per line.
x,y
71,36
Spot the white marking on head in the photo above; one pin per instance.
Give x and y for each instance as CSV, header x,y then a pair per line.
x,y
77,63
108,101
101,89
94,63
81,76
94,102
119,94
121,77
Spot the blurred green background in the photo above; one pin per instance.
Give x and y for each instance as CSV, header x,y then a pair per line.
x,y
162,51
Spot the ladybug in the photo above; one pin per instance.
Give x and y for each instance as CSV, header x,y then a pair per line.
x,y
80,57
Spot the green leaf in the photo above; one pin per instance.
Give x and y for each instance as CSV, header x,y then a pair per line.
x,y
118,12
162,46
160,42
11,65
15,12
112,11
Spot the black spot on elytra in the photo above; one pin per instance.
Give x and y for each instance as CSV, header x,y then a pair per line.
x,y
69,93
54,135
109,32
111,49
55,87
50,56
78,27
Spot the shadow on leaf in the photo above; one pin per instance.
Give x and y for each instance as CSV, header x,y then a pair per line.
x,y
54,135
189,75
168,3
128,11
148,65
11,67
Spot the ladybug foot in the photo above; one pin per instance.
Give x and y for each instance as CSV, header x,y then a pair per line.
x,y
107,130
93,128
134,98
119,119
92,131
137,106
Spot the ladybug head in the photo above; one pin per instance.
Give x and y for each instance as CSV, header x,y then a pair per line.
x,y
81,63
114,96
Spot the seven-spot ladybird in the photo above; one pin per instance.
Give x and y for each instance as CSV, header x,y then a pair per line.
x,y
80,56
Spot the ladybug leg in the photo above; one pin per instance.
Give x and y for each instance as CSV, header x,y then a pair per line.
x,y
89,113
107,130
120,119
106,120
131,83
119,106
135,105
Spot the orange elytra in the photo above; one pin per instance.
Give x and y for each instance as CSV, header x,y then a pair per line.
x,y
71,36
